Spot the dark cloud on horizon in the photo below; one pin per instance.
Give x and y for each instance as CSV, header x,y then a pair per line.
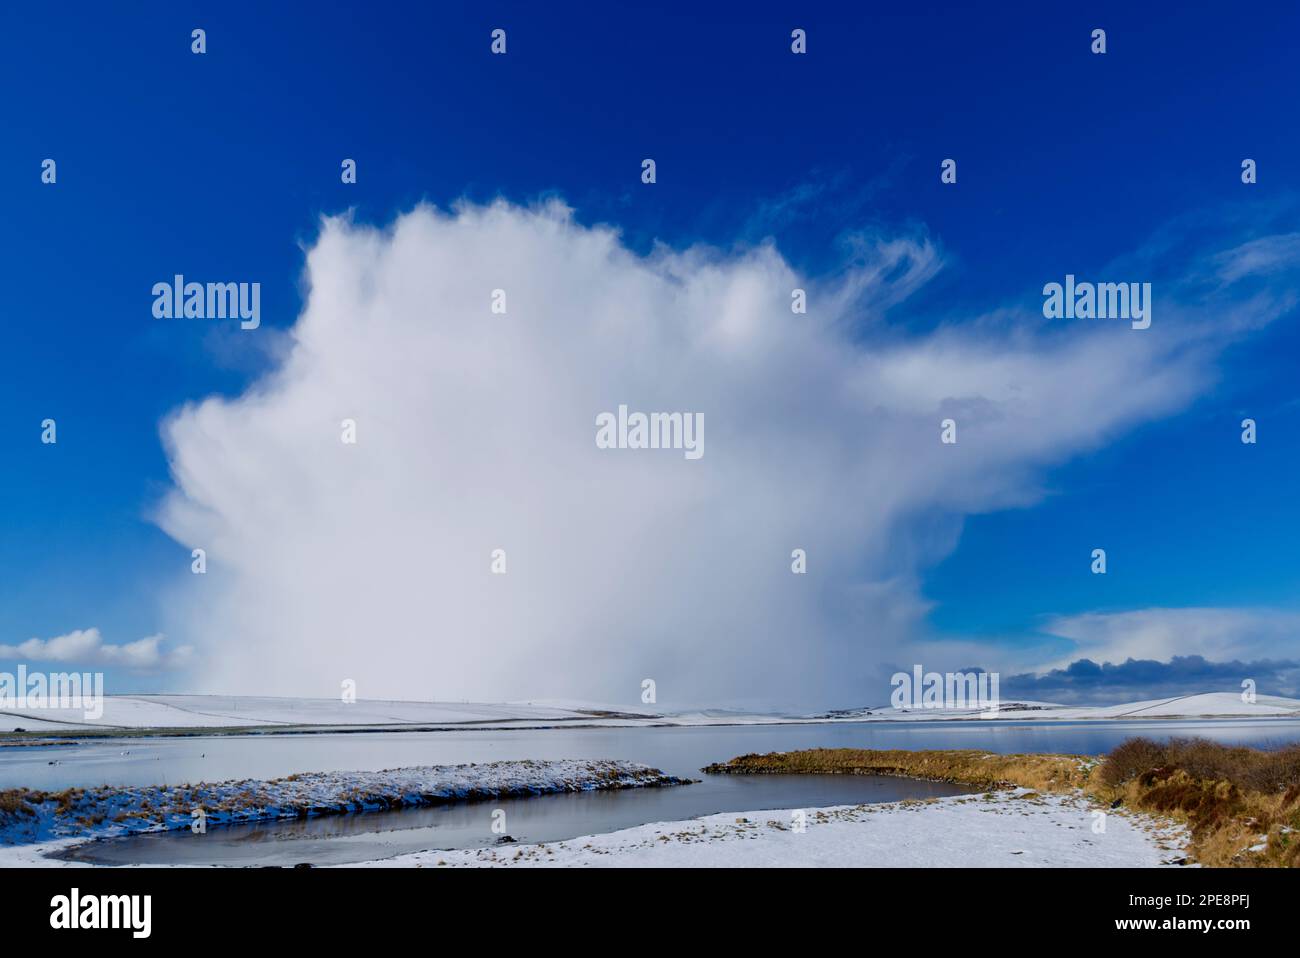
x,y
1085,682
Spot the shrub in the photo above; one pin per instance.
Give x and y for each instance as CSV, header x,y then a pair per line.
x,y
1132,759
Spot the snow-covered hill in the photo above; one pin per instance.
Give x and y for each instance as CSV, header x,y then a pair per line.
x,y
142,712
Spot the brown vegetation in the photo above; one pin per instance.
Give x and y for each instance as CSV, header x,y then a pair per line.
x,y
1242,805
983,769
13,801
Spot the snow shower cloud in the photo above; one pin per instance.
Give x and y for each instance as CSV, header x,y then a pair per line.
x,y
475,432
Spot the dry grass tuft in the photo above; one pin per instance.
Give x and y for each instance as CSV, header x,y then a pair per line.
x,y
983,769
13,801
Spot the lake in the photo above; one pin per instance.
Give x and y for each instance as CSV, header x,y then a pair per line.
x,y
681,751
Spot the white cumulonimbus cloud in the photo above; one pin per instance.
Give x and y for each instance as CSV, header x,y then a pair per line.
x,y
476,431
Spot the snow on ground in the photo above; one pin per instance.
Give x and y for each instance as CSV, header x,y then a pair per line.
x,y
110,810
193,712
1013,829
1203,705
1208,703
226,711
37,856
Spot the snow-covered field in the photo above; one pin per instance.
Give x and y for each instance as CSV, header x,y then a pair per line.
x,y
105,811
194,712
1014,829
224,711
1204,705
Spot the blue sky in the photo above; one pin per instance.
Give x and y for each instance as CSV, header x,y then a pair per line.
x,y
221,165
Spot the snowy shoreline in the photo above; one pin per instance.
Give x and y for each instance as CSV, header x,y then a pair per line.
x,y
1014,828
34,816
